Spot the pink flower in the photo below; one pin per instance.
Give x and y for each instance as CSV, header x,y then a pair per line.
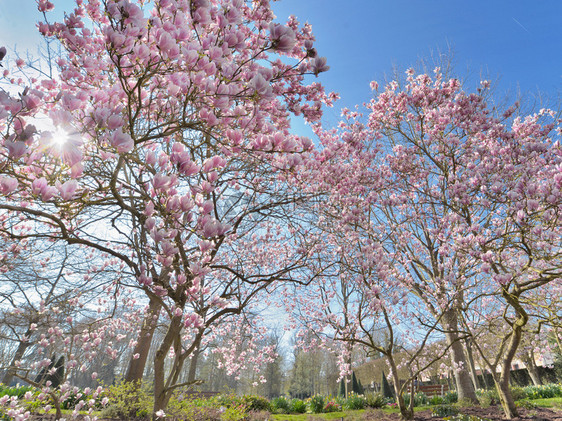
x,y
261,86
67,189
319,65
282,37
123,142
45,6
8,184
15,149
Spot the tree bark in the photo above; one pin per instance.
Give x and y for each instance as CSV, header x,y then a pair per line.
x,y
463,382
517,326
406,412
162,393
529,360
471,365
135,370
193,364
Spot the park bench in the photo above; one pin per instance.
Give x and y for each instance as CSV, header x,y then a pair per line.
x,y
432,389
195,394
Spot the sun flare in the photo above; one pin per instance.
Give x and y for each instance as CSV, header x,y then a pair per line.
x,y
60,137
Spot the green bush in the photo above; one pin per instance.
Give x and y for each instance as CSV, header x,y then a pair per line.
x,y
518,393
127,400
450,397
297,406
226,400
487,397
233,413
280,405
375,400
316,404
354,402
420,399
256,403
443,411
435,400
546,391
526,404
18,391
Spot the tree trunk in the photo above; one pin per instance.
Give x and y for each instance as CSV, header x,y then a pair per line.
x,y
135,370
193,364
406,412
471,365
502,385
529,360
162,391
22,347
463,382
506,399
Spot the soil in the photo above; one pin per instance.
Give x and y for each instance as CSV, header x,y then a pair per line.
x,y
493,413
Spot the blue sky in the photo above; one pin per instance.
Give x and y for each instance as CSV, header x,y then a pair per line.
x,y
517,41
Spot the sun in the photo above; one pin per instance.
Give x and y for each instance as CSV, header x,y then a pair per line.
x,y
59,137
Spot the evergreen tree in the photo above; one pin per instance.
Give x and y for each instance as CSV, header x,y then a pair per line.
x,y
341,391
355,384
386,389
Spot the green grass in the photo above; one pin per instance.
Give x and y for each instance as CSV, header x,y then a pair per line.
x,y
548,403
347,415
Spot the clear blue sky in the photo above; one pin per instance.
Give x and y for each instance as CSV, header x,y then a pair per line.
x,y
518,41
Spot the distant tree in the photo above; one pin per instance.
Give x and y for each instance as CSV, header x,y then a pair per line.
x,y
385,387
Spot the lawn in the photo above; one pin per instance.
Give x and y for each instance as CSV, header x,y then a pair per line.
x,y
549,403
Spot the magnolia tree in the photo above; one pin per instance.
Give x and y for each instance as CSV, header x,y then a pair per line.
x,y
360,303
169,154
463,202
65,350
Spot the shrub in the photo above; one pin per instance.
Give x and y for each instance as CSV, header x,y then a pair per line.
x,y
543,392
233,413
18,391
280,405
226,400
332,406
354,402
420,399
256,403
127,400
487,397
435,400
518,393
316,404
526,404
375,400
297,406
450,397
443,411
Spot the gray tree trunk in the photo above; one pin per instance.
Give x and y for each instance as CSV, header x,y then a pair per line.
x,y
463,382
